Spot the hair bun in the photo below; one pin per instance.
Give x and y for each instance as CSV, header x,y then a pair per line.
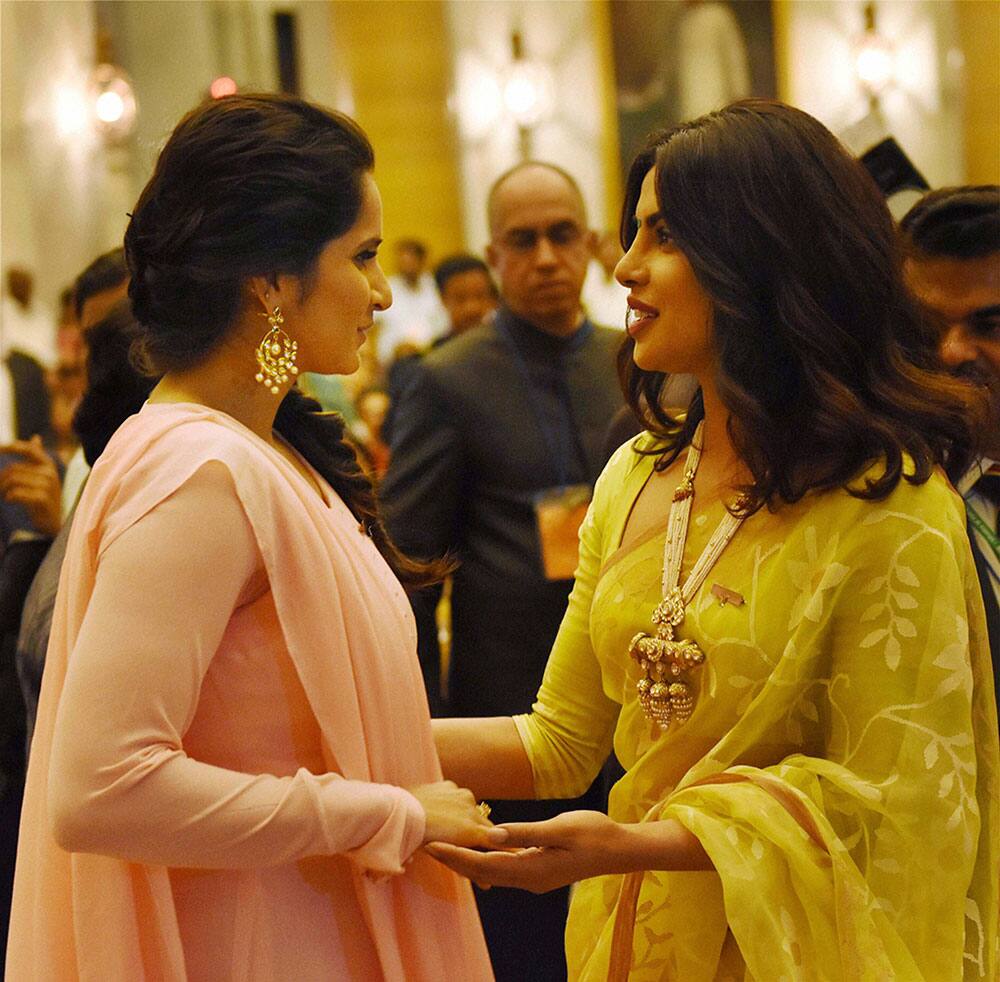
x,y
245,186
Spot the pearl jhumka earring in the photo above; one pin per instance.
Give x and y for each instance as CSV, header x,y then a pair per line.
x,y
276,354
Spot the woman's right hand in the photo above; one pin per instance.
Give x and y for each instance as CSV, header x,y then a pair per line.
x,y
454,817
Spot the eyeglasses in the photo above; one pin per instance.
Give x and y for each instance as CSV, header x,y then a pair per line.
x,y
526,239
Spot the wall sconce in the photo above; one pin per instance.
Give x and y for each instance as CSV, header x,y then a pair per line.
x,y
527,93
70,111
113,102
523,93
874,59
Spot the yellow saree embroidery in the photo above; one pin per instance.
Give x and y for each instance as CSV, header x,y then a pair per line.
x,y
840,767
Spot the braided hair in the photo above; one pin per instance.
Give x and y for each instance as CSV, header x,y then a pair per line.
x,y
319,437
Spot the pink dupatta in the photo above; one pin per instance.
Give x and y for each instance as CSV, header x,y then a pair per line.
x,y
351,638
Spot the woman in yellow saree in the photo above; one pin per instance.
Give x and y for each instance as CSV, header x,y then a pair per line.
x,y
776,620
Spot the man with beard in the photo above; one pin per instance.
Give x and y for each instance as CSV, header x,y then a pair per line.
x,y
952,239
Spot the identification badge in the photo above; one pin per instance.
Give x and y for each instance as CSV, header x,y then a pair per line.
x,y
560,513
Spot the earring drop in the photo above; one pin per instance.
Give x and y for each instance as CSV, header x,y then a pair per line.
x,y
276,354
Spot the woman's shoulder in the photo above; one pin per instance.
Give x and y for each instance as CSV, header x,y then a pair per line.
x,y
173,436
934,500
636,457
909,515
159,451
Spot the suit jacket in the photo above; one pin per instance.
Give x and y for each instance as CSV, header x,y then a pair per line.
x,y
992,609
17,567
476,435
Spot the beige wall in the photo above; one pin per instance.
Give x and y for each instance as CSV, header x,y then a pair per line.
x,y
979,34
399,67
572,40
923,109
614,191
53,179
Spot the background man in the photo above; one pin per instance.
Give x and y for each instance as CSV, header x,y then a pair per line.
x,y
416,315
504,413
467,291
468,295
953,265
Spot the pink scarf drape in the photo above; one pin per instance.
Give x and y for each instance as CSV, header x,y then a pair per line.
x,y
351,638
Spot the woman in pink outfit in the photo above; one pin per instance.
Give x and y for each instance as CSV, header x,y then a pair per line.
x,y
233,773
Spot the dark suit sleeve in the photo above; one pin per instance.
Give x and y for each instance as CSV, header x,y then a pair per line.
x,y
421,492
32,402
421,497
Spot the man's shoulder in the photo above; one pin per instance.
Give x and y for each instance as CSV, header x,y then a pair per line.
x,y
467,350
597,358
482,348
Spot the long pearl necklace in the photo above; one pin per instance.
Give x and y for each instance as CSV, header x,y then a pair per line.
x,y
664,690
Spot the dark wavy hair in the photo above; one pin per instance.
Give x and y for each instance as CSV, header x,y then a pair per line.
x,y
248,186
796,249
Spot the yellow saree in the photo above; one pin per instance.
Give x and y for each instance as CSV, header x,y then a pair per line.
x,y
841,765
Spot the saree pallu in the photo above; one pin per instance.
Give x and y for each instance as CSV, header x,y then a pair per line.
x,y
840,768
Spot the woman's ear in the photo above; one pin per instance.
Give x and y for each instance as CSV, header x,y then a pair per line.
x,y
274,290
261,292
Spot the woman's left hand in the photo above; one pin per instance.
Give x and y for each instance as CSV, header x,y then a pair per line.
x,y
544,855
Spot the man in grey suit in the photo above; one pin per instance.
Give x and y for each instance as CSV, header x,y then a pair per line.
x,y
492,430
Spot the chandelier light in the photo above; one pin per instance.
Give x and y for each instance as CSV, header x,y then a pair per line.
x,y
527,94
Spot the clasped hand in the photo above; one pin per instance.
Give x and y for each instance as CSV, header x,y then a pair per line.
x,y
541,856
451,816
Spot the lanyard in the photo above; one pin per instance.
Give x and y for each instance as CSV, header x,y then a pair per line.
x,y
552,434
979,524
